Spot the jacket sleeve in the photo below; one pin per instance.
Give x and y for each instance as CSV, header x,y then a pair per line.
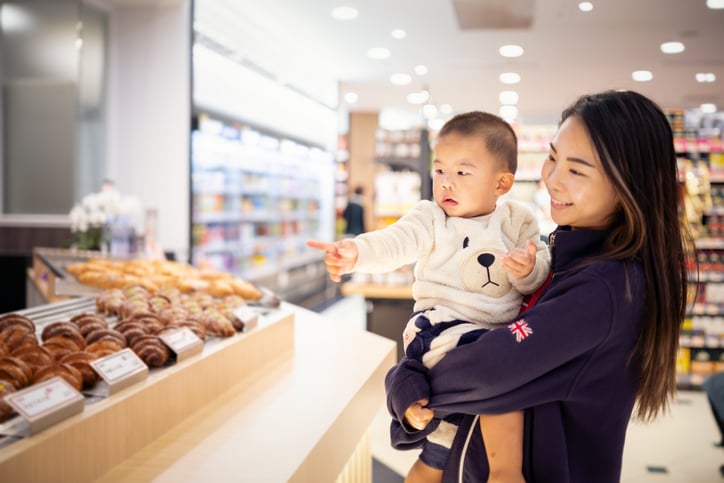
x,y
409,377
516,366
532,361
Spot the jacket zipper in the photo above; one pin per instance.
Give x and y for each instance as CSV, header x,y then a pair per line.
x,y
464,452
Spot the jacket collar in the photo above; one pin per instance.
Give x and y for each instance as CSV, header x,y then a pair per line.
x,y
570,247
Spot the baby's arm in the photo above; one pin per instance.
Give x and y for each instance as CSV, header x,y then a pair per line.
x,y
340,257
520,262
503,437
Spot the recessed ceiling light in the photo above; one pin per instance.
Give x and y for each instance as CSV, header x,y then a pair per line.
x,y
398,34
420,69
672,47
642,75
345,13
705,77
511,50
708,108
509,98
420,97
378,53
351,97
585,6
715,4
400,79
509,77
509,113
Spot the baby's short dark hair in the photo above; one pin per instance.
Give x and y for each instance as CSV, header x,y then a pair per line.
x,y
500,139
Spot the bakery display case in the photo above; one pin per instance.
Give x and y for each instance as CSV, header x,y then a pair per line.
x,y
210,415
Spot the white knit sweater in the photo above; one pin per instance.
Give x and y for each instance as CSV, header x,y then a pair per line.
x,y
457,260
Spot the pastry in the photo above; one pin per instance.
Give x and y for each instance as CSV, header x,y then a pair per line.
x,y
16,371
71,375
151,350
59,346
104,348
106,334
14,319
34,356
14,336
131,330
217,324
69,330
6,410
81,362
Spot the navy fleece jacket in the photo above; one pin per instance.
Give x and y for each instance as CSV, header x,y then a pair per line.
x,y
566,362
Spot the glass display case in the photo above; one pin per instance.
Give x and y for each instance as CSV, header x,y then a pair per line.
x,y
256,198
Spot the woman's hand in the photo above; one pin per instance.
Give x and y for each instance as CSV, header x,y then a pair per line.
x,y
339,256
418,415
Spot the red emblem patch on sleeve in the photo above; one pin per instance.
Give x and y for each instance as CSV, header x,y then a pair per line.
x,y
520,329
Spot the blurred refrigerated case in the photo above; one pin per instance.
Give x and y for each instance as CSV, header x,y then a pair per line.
x,y
256,198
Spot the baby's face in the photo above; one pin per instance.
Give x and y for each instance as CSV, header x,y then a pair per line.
x,y
465,176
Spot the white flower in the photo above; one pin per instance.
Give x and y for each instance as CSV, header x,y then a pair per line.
x,y
96,209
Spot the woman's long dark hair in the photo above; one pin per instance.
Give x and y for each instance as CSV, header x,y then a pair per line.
x,y
634,141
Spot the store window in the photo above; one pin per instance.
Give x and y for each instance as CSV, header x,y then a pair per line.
x,y
53,104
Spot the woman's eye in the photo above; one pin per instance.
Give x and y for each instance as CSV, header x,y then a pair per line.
x,y
576,172
550,158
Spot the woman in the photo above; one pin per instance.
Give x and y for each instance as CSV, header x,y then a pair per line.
x,y
602,336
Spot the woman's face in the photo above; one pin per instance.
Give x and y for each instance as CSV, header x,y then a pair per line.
x,y
582,196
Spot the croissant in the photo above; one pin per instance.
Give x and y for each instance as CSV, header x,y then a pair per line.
x,y
71,375
217,324
14,319
34,356
131,330
81,362
14,336
15,371
59,346
64,329
104,347
151,350
106,334
6,410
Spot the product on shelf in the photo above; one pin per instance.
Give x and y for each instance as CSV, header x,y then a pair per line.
x,y
132,316
158,274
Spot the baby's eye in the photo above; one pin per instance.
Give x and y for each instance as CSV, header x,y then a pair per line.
x,y
463,173
437,171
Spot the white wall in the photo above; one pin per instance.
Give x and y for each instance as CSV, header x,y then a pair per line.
x,y
149,112
226,87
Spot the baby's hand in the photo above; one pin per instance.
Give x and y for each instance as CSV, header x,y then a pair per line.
x,y
520,262
418,416
340,256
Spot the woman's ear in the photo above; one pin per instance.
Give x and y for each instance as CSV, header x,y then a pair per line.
x,y
505,182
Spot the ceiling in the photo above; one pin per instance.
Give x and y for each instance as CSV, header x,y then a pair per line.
x,y
566,52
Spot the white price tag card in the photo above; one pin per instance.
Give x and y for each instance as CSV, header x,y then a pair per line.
x,y
247,315
121,369
183,342
46,403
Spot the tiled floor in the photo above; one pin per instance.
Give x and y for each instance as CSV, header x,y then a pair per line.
x,y
677,448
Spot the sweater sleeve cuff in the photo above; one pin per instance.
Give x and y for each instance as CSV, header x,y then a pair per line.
x,y
406,383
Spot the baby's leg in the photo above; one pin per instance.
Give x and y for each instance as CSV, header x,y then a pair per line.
x,y
503,438
422,473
